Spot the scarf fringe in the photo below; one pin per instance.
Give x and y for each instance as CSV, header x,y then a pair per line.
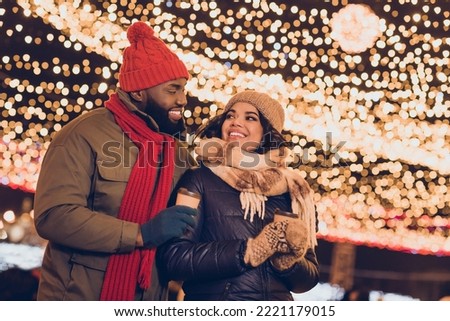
x,y
304,206
252,204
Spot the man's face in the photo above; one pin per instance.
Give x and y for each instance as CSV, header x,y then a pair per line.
x,y
165,103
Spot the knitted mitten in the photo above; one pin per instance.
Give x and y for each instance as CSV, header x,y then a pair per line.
x,y
271,239
297,239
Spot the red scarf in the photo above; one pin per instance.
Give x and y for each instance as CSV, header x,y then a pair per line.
x,y
141,201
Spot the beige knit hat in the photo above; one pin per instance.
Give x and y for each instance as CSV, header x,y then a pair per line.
x,y
269,107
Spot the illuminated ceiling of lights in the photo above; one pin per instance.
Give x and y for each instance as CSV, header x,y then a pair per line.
x,y
369,119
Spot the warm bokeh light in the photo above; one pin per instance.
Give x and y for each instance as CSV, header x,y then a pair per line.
x,y
369,120
356,28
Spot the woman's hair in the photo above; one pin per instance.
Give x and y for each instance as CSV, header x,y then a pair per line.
x,y
272,139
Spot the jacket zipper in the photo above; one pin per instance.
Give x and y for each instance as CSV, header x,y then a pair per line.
x,y
225,291
263,273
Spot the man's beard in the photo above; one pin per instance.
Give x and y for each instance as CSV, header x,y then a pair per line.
x,y
161,117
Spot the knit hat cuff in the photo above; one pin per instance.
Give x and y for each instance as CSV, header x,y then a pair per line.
x,y
153,76
267,106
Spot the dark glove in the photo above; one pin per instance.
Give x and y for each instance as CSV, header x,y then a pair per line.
x,y
297,239
167,224
271,239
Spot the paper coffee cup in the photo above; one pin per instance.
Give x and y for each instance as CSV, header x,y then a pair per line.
x,y
280,215
187,198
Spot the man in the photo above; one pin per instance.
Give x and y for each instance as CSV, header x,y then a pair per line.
x,y
105,181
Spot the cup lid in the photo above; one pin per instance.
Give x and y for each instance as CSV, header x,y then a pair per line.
x,y
185,191
285,213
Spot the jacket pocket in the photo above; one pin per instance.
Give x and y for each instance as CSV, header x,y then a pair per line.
x,y
96,261
108,188
114,172
86,277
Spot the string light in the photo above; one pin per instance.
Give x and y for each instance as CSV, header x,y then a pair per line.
x,y
370,121
356,28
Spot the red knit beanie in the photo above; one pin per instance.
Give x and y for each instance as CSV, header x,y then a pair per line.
x,y
148,62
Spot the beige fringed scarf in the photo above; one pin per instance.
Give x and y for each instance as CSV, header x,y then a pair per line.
x,y
259,176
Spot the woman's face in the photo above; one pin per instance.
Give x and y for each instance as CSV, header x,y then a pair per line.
x,y
243,125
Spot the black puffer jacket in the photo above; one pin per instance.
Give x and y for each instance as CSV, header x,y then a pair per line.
x,y
210,259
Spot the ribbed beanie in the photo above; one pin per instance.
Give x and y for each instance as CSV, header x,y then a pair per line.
x,y
266,105
148,62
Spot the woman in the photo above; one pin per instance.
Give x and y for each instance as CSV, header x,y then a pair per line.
x,y
237,251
